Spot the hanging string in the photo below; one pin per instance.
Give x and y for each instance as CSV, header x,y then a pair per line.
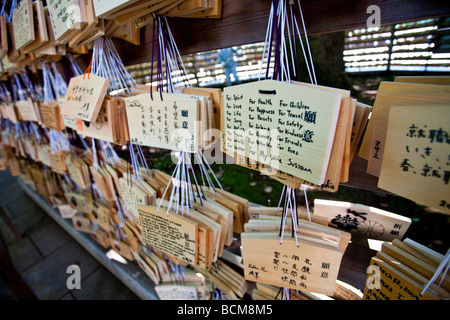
x,y
18,92
289,207
3,13
267,45
314,80
445,263
106,63
275,36
48,88
216,294
13,8
58,141
58,83
74,65
5,94
167,60
29,87
284,294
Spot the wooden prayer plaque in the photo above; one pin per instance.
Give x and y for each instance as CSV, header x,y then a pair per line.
x,y
396,94
308,267
51,116
40,27
171,233
105,127
3,37
176,292
84,97
391,284
65,16
103,8
122,248
27,110
66,211
370,222
169,121
416,163
82,224
78,201
443,80
132,195
58,162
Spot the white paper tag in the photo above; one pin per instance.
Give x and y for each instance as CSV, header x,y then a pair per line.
x,y
66,211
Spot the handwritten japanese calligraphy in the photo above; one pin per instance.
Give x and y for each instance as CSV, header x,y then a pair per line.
x,y
416,162
288,127
307,267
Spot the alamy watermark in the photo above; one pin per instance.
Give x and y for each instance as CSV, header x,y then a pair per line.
x,y
374,20
74,280
259,145
373,277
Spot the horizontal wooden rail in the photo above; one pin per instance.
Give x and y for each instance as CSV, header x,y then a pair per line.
x,y
245,21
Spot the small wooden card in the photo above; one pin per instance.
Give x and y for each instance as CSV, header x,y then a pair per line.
x,y
69,122
51,116
82,224
132,195
395,94
66,211
40,27
360,120
368,221
171,233
176,292
58,162
103,8
122,248
66,16
391,284
416,163
23,24
443,80
169,121
3,37
101,215
105,127
92,22
78,171
78,201
308,267
288,127
84,97
101,237
27,110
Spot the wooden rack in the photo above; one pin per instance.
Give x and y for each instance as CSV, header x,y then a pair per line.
x,y
245,22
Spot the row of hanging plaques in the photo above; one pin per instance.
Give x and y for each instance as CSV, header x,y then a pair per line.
x,y
251,227
32,29
412,263
203,229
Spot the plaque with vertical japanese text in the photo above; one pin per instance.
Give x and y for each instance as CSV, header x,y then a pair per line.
x,y
416,161
84,97
168,121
